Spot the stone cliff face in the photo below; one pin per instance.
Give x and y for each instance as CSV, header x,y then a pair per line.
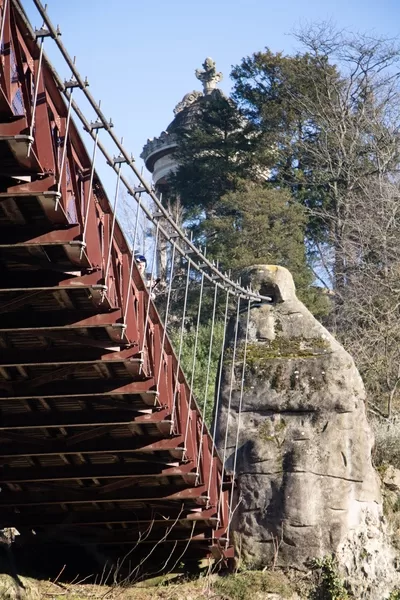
x,y
306,486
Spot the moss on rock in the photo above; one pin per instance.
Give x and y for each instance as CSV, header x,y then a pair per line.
x,y
259,353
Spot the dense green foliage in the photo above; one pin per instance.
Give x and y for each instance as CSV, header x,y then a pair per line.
x,y
262,225
294,168
330,585
214,157
222,184
203,392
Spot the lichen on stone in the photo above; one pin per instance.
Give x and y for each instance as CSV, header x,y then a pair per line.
x,y
259,353
272,431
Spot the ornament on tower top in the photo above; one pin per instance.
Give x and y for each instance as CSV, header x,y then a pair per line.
x,y
208,76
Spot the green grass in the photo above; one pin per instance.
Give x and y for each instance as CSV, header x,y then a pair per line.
x,y
244,586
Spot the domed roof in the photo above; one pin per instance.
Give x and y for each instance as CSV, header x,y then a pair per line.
x,y
186,111
190,106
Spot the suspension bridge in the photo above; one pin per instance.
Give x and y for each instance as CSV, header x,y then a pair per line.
x,y
102,443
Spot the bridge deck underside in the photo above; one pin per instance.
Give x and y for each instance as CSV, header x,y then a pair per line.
x,y
85,441
92,450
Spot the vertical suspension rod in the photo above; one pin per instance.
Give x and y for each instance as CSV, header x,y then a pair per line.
x,y
166,313
178,366
207,379
219,387
196,338
223,278
239,416
113,223
3,21
229,400
128,294
149,288
35,95
64,153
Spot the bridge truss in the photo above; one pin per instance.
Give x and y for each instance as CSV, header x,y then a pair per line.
x,y
101,439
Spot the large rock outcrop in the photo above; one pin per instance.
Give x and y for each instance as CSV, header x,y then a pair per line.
x,y
306,486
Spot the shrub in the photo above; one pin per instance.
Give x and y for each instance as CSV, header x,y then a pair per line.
x,y
330,585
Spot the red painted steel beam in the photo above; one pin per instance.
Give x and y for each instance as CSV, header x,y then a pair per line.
x,y
37,281
77,519
139,494
81,418
57,447
72,337
103,517
78,389
59,319
118,538
64,356
26,235
134,470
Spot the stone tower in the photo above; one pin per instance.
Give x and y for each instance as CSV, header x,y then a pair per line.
x,y
158,153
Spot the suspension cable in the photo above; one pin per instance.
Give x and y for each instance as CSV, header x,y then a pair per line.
x,y
210,349
133,258
150,286
35,96
180,344
196,337
90,192
64,153
171,276
110,245
232,377
239,416
217,395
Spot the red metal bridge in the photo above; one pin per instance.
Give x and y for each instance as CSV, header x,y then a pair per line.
x,y
101,441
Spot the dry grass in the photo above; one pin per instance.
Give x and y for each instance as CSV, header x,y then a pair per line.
x,y
241,586
24,589
387,441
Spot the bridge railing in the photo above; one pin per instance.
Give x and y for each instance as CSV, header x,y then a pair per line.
x,y
41,113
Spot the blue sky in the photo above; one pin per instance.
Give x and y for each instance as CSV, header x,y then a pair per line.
x,y
140,57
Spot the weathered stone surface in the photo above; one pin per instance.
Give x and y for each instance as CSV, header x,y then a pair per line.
x,y
305,482
367,560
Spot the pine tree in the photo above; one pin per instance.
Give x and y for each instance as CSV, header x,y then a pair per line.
x,y
262,225
230,204
331,114
214,155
